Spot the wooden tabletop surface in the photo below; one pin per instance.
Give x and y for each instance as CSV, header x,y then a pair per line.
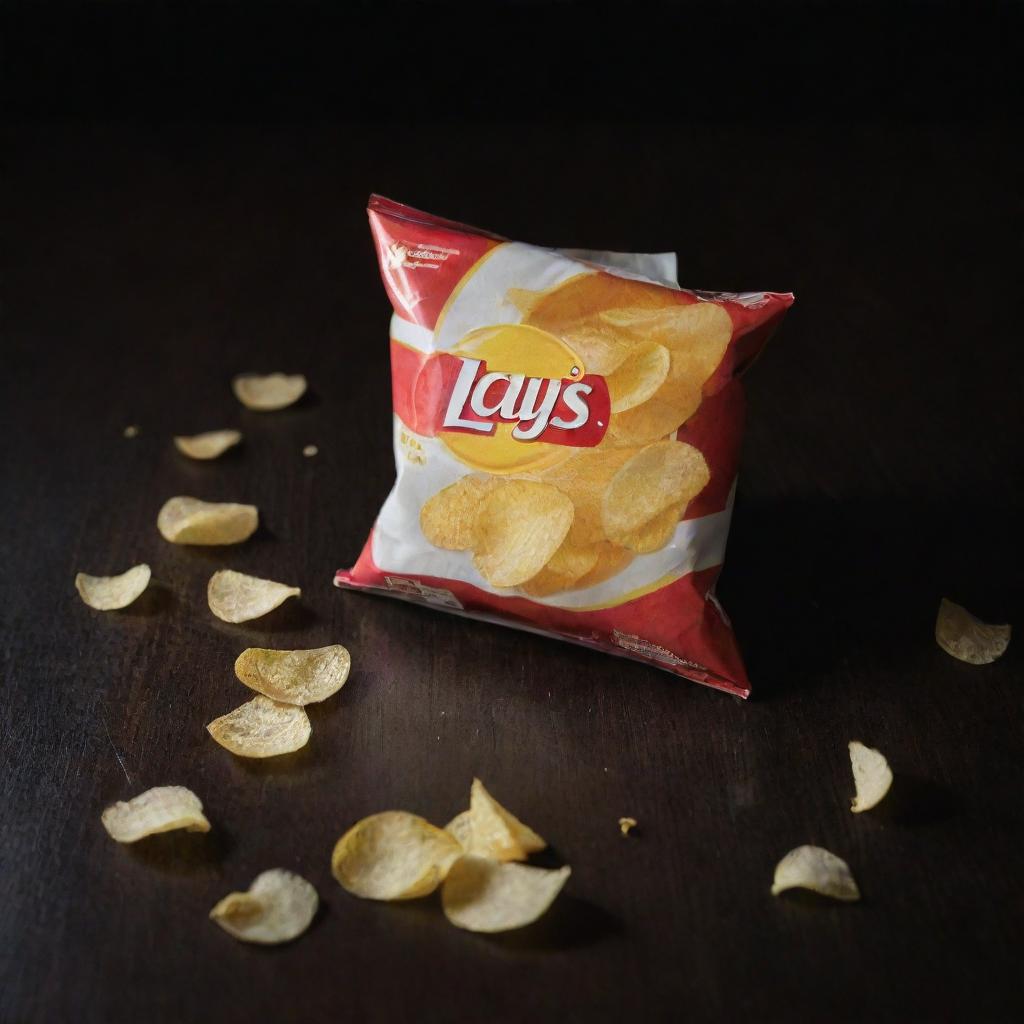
x,y
144,266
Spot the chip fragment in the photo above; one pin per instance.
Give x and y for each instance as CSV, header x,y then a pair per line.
x,y
185,520
393,855
872,776
449,519
310,450
268,393
107,593
236,597
626,825
131,431
208,445
262,728
814,868
484,895
969,639
161,809
497,832
278,907
294,677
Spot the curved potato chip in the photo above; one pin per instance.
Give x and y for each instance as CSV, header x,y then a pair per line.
x,y
449,519
393,855
584,477
483,895
655,533
269,393
461,826
611,559
583,298
106,593
969,639
661,475
208,445
294,677
185,520
872,776
278,907
661,415
603,351
262,728
811,867
522,524
496,832
638,377
161,809
236,597
626,825
567,565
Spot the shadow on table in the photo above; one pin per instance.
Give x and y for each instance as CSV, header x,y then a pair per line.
x,y
814,583
183,853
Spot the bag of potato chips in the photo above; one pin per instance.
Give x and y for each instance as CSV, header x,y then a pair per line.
x,y
566,430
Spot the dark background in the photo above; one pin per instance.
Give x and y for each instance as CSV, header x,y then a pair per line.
x,y
183,199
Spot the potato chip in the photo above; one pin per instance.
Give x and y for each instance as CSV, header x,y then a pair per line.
x,y
969,639
872,776
811,867
483,895
626,825
310,450
294,677
567,565
131,431
656,532
262,728
105,593
393,856
661,415
161,809
522,524
611,559
278,907
662,475
186,520
496,832
584,478
449,519
236,597
461,826
638,377
266,394
208,445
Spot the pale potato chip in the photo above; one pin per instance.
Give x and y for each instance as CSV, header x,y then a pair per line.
x,y
655,533
208,445
483,895
185,520
627,824
969,639
496,832
449,519
811,867
294,677
461,826
522,524
662,475
393,856
638,377
278,907
161,809
310,450
105,593
567,565
585,477
236,597
262,728
872,776
266,394
131,431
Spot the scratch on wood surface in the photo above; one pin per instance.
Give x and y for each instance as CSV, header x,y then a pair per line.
x,y
120,759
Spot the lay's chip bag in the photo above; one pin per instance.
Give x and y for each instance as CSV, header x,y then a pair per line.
x,y
567,431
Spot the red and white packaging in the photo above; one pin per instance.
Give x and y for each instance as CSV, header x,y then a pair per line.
x,y
567,429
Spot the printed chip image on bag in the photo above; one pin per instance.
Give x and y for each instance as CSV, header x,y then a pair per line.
x,y
567,430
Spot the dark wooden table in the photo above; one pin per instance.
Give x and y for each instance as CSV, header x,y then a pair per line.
x,y
143,267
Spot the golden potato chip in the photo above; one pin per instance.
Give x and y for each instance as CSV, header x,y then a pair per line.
x,y
567,565
161,809
461,826
483,895
208,445
294,677
393,856
811,867
236,597
602,350
671,406
655,533
105,593
262,728
581,299
449,519
266,394
522,524
496,832
664,474
584,478
186,520
638,377
278,907
626,824
872,776
969,639
611,559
